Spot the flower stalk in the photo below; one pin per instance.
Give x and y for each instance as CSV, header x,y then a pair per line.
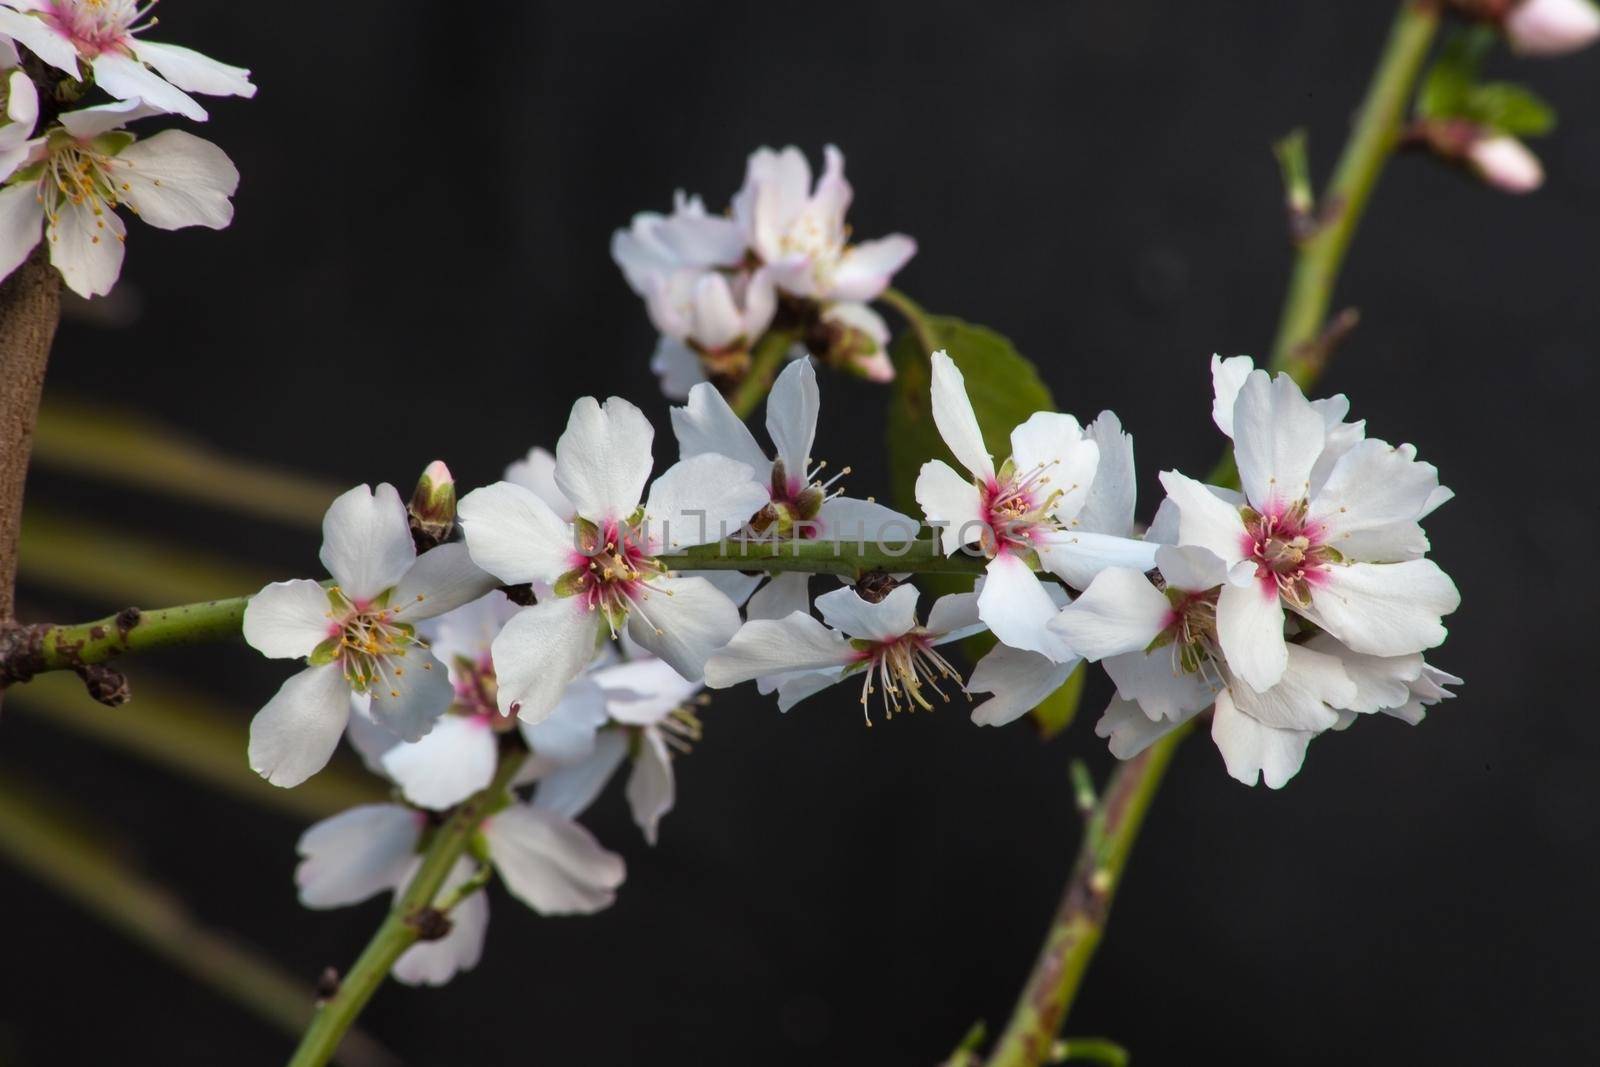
x,y
402,927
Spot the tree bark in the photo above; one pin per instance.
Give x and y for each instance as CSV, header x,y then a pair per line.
x,y
30,306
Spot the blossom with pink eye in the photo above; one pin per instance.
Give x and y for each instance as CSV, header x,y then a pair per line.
x,y
1026,512
102,35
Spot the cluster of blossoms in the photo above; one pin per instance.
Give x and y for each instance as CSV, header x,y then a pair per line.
x,y
780,259
63,173
565,621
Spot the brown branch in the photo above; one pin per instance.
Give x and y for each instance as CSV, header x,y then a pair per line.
x,y
30,307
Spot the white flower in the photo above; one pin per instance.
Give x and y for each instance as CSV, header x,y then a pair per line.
x,y
101,34
1505,163
1551,27
1029,508
78,173
652,707
359,636
1345,553
800,233
602,566
881,642
550,863
801,503
458,756
1402,687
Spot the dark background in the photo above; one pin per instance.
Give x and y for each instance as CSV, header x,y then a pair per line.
x,y
419,267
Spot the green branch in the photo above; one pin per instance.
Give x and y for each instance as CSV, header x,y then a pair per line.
x,y
765,361
401,928
1109,834
1300,347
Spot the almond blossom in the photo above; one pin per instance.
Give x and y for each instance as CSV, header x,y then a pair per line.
x,y
1346,553
358,636
601,565
546,860
881,642
1024,512
74,177
102,35
802,502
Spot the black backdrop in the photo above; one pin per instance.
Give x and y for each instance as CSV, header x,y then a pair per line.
x,y
419,267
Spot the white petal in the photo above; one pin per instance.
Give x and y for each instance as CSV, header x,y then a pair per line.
x,y
865,269
468,631
21,223
1252,751
1227,378
642,692
1384,609
1019,681
366,541
715,321
434,963
356,854
886,620
957,422
1250,630
781,597
683,621
1155,682
651,789
1381,682
1076,556
550,863
286,620
515,536
570,790
442,579
708,425
1108,509
951,504
567,734
454,761
1130,731
1119,612
603,458
1016,607
763,647
735,585
87,248
1313,685
793,688
1277,437
792,410
536,472
953,617
539,651
1056,443
678,367
188,69
844,520
1204,519
1374,487
371,741
176,179
41,38
411,692
292,737
700,500
1190,568
128,79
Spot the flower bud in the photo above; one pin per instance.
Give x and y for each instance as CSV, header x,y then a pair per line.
x,y
432,510
1505,163
1551,27
852,337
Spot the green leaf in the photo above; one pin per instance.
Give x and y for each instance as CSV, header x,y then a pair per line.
x,y
1449,82
1510,108
1005,389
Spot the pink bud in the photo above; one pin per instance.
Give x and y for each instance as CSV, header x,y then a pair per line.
x,y
1505,163
438,473
1551,27
432,510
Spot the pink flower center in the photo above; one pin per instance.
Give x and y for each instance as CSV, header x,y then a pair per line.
x,y
1016,509
97,26
611,571
1287,551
